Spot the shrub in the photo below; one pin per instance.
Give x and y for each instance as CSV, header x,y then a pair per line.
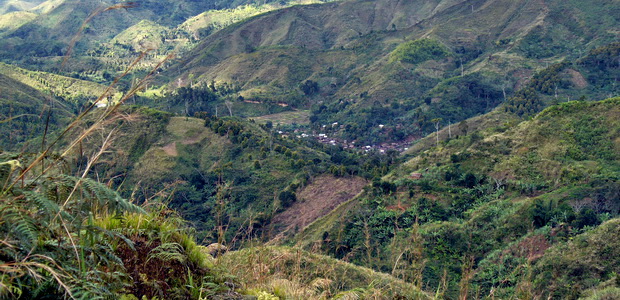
x,y
418,51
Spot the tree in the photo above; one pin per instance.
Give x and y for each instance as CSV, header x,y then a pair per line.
x,y
436,121
287,198
309,87
463,127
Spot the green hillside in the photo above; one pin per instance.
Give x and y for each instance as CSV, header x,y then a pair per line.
x,y
13,20
220,172
103,37
357,66
484,205
25,111
70,90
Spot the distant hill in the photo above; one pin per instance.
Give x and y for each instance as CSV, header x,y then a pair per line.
x,y
349,59
34,95
38,37
11,6
70,90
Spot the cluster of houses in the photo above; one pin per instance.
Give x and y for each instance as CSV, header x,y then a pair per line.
x,y
352,145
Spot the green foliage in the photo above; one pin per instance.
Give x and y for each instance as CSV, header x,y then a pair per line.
x,y
525,103
603,64
189,101
73,237
52,244
542,42
483,196
309,87
287,198
418,51
548,80
567,269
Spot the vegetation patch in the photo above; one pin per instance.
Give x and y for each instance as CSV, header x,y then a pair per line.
x,y
295,273
418,51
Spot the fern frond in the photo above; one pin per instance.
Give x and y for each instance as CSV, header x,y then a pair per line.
x,y
108,197
43,202
168,252
25,228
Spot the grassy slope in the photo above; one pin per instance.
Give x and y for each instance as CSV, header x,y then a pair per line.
x,y
15,19
589,260
72,90
142,36
564,156
298,274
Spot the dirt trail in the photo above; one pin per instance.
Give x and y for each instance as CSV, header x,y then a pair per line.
x,y
192,141
317,199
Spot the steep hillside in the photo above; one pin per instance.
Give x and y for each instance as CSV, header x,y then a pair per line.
x,y
29,98
70,90
587,262
483,206
349,59
104,37
24,113
229,177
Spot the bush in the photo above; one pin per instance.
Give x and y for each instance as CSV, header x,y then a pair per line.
x,y
287,198
418,51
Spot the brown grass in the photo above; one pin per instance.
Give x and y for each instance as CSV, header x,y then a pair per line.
x,y
171,149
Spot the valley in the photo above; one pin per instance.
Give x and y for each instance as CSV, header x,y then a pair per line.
x,y
354,149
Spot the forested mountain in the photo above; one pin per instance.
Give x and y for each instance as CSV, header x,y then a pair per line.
x,y
400,62
103,37
440,149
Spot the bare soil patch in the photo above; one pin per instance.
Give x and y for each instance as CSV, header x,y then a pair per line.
x,y
171,149
317,199
577,79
